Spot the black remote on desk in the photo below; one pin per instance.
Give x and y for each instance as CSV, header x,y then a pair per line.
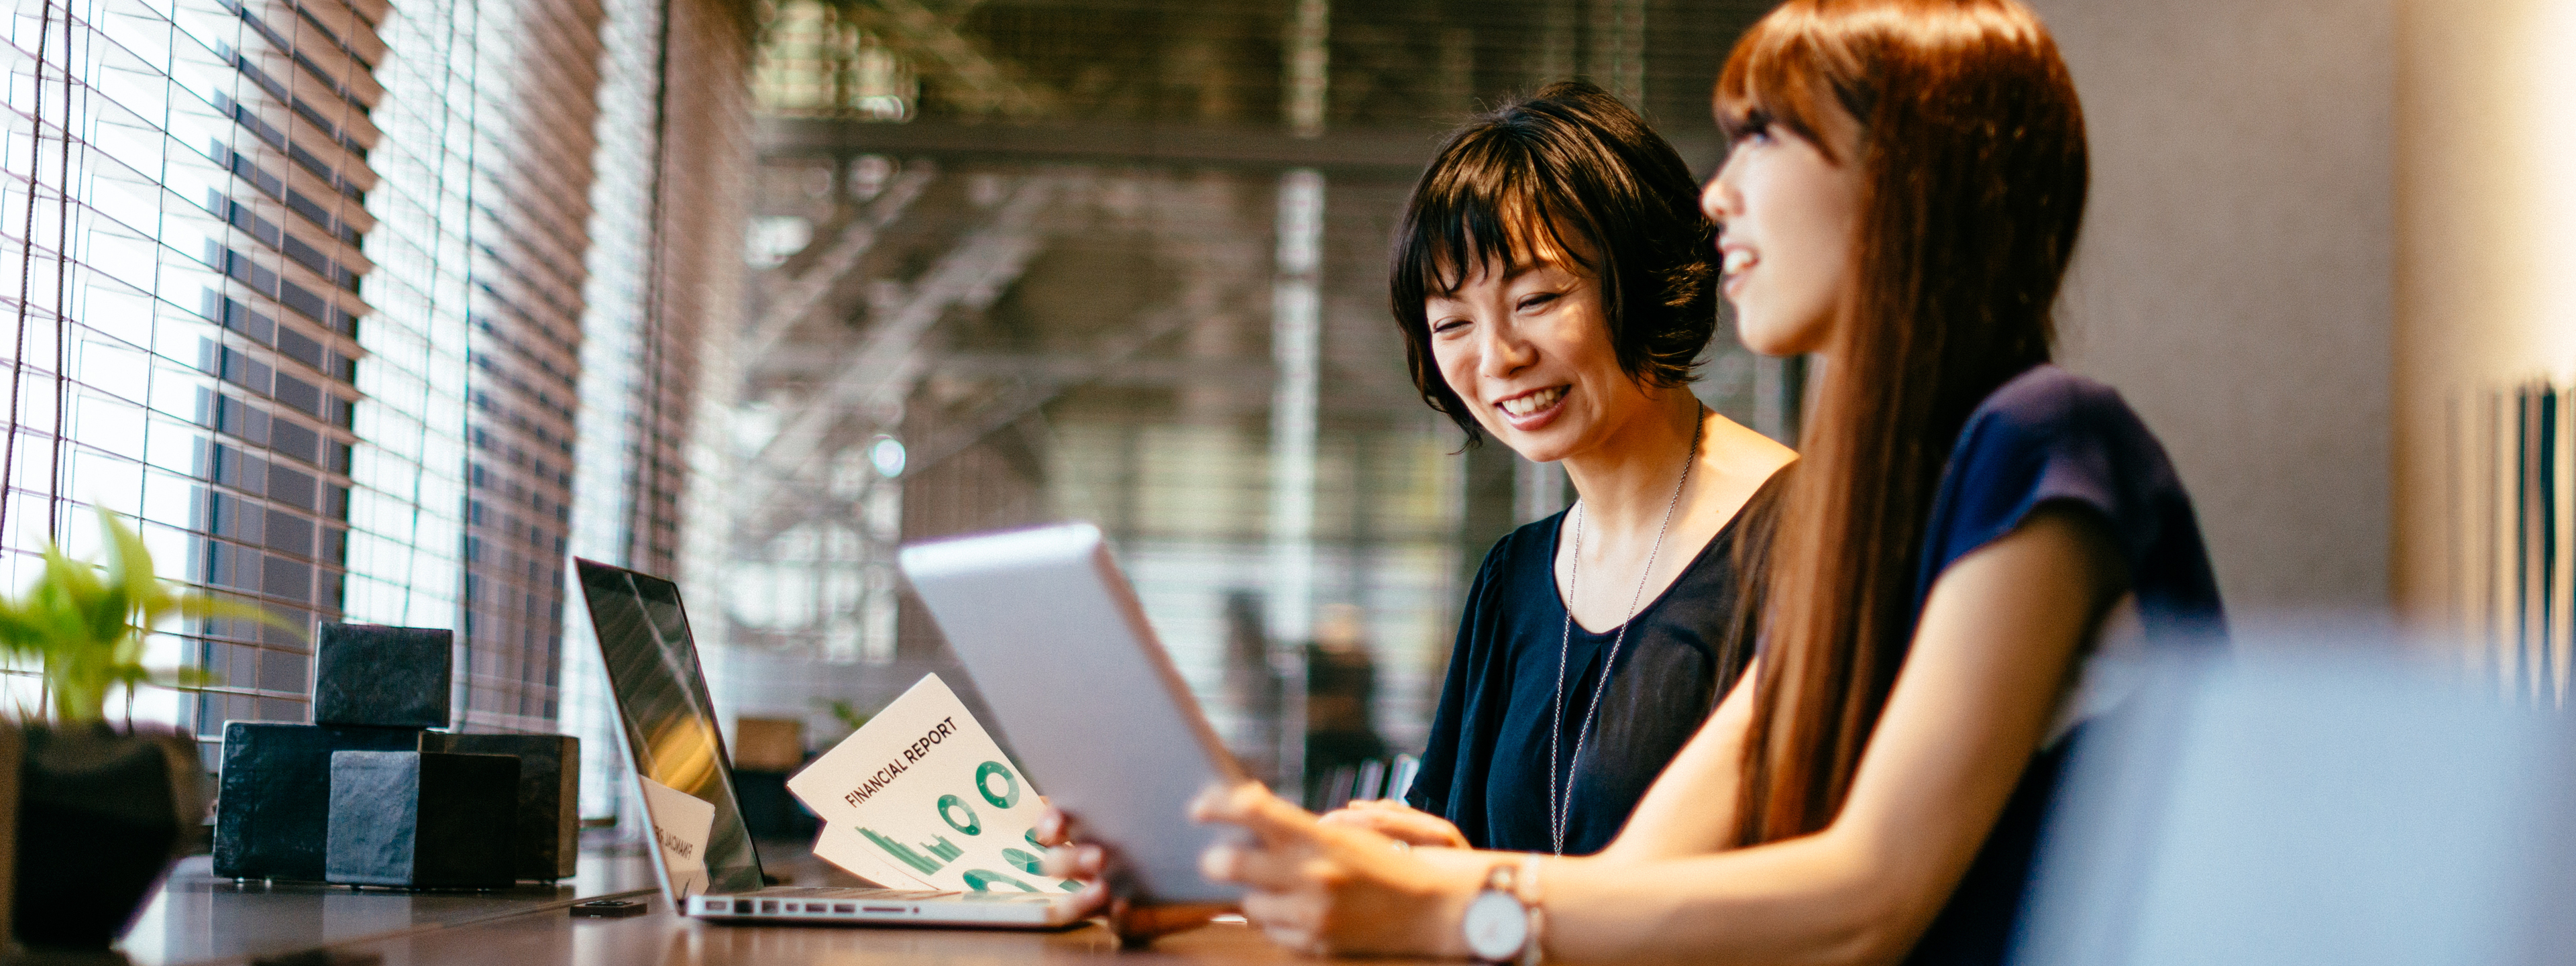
x,y
608,908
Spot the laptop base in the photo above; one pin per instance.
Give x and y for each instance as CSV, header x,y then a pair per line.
x,y
802,904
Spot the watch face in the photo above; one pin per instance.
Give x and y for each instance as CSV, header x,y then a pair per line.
x,y
1496,926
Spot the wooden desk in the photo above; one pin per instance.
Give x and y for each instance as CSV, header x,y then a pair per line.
x,y
201,920
198,917
663,939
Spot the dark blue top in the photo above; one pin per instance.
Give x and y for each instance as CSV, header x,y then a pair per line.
x,y
1485,767
2050,436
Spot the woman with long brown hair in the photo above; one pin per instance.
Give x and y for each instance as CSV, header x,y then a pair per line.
x,y
1970,527
1554,282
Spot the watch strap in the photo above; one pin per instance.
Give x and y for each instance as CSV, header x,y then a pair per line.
x,y
1525,888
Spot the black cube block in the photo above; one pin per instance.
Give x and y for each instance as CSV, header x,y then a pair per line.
x,y
273,806
549,794
423,820
365,674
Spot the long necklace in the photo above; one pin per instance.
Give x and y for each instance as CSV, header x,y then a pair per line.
x,y
1561,808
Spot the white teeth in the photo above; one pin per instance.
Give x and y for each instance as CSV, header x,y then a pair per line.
x,y
1525,405
1738,260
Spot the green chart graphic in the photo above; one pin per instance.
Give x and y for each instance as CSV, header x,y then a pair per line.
x,y
941,850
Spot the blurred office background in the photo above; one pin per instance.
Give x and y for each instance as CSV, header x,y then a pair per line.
x,y
1125,262
381,311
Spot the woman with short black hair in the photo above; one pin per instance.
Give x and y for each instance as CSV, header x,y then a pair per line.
x,y
1555,282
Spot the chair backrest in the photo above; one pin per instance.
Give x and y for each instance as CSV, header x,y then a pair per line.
x,y
1374,778
2308,806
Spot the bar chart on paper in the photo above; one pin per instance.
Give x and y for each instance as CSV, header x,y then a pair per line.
x,y
940,851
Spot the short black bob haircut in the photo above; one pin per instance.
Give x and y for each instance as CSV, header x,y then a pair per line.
x,y
1573,162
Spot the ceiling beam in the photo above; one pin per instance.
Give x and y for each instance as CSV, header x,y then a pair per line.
x,y
1252,374
810,290
1398,154
881,371
1038,380
1039,389
1393,153
978,82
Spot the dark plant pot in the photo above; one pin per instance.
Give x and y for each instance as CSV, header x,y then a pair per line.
x,y
100,818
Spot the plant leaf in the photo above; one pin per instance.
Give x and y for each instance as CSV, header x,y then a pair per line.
x,y
133,558
85,623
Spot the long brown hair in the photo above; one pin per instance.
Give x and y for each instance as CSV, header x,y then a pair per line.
x,y
1972,151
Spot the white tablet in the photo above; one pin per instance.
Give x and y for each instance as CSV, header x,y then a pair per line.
x,y
1089,704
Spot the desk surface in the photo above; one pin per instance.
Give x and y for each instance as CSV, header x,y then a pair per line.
x,y
201,920
667,940
198,917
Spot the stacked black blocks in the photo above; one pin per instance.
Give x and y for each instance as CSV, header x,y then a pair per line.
x,y
369,795
423,819
549,794
275,799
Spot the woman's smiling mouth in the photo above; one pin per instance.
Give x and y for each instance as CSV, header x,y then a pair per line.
x,y
1528,410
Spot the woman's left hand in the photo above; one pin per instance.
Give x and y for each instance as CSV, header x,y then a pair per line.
x,y
1093,865
1331,889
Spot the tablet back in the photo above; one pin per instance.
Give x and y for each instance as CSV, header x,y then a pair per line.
x,y
1089,704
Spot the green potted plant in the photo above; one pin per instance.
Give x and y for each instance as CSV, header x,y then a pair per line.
x,y
99,813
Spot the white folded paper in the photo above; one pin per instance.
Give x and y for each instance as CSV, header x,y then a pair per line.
x,y
681,822
922,794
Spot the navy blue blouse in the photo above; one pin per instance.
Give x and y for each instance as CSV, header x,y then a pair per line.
x,y
1486,766
2050,436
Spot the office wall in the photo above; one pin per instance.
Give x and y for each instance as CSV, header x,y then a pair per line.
x,y
2233,280
2486,216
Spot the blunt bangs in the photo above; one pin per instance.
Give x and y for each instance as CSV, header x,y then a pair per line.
x,y
1485,212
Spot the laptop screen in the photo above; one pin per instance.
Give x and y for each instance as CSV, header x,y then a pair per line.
x,y
671,737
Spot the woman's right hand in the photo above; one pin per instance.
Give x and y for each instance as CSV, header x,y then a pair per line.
x,y
1398,821
1094,865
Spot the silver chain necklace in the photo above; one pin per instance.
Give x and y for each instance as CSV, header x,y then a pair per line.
x,y
1561,808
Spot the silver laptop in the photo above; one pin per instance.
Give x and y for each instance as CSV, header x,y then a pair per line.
x,y
674,748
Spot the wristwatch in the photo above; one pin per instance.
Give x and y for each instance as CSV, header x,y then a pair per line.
x,y
1501,927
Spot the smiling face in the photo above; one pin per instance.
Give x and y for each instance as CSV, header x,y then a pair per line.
x,y
1527,348
1788,217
